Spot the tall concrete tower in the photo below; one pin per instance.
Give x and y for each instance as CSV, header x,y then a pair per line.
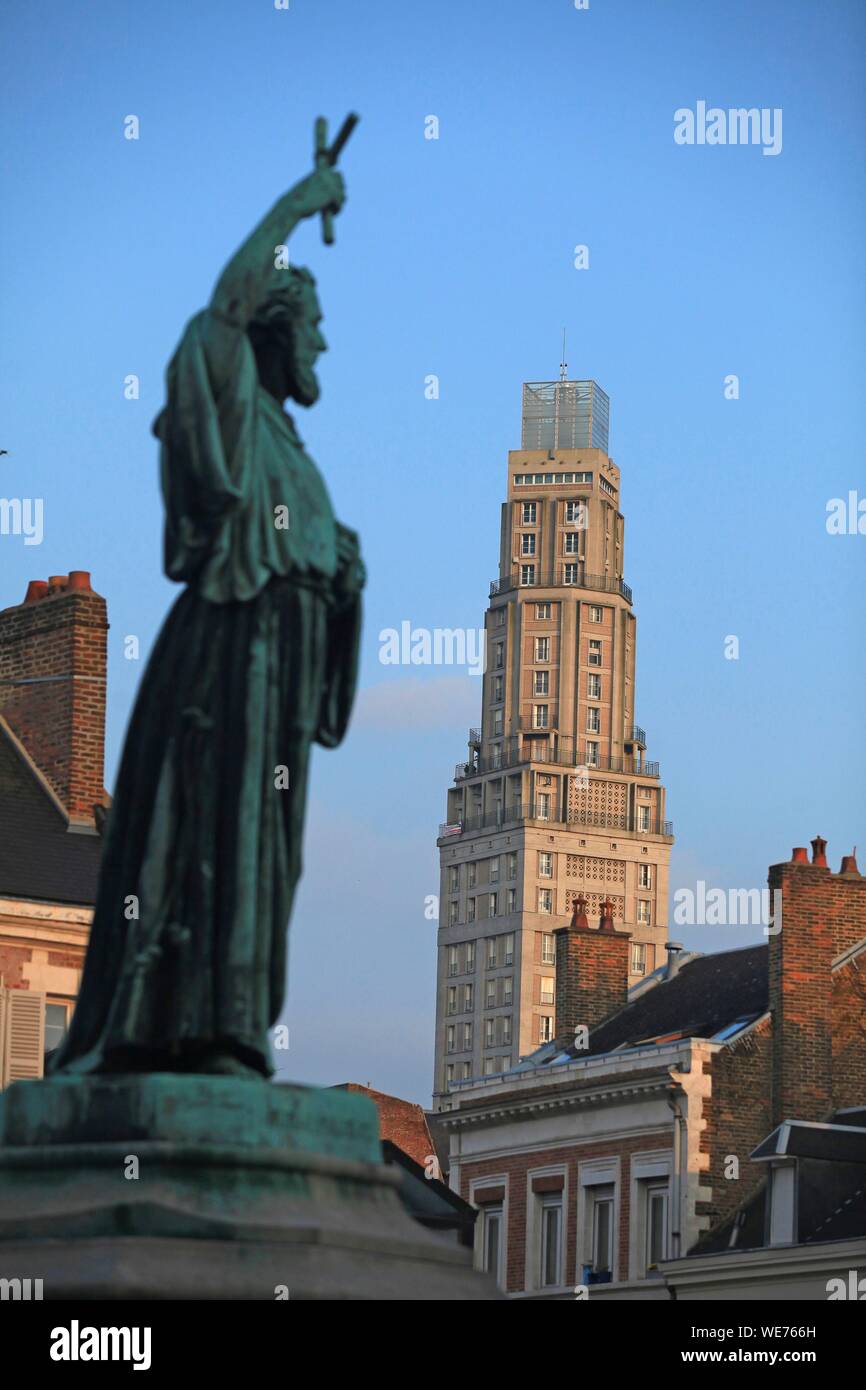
x,y
556,797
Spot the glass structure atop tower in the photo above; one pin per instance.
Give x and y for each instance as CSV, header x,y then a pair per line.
x,y
565,415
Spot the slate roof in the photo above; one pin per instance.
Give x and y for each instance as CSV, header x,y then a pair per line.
x,y
707,995
39,858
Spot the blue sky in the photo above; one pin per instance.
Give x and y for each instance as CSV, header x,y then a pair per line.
x,y
455,257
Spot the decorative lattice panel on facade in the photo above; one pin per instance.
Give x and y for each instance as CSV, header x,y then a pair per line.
x,y
598,799
594,902
591,870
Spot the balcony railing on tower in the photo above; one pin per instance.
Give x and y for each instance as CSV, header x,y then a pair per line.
x,y
564,574
549,811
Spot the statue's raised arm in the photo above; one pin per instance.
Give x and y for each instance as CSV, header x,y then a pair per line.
x,y
251,272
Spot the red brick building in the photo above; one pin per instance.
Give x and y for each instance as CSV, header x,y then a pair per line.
x,y
627,1141
52,800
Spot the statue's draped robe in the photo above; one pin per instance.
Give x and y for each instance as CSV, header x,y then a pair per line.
x,y
256,660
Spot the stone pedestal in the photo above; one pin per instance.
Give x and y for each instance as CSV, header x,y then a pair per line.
x,y
196,1187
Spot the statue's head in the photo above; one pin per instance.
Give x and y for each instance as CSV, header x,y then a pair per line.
x,y
286,339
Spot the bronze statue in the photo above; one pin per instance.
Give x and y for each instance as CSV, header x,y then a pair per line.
x,y
257,660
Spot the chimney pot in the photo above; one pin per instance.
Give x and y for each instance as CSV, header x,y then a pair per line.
x,y
673,949
79,579
849,863
36,589
800,855
578,915
56,582
606,923
819,858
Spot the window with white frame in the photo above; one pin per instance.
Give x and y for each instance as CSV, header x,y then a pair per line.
x,y
551,1240
453,908
591,754
542,611
511,864
527,543
545,1028
643,912
638,958
541,683
498,689
56,1024
505,1029
548,987
572,539
573,512
468,998
596,614
507,989
542,806
492,953
593,719
490,995
451,1038
594,651
492,1238
542,649
449,1073
511,900
545,864
470,957
644,876
471,871
545,900
548,948
453,961
593,686
467,1037
452,999
491,905
527,575
656,1224
643,817
493,875
497,723
528,513
509,948
600,1229
453,878
470,909
489,1032
569,573
540,716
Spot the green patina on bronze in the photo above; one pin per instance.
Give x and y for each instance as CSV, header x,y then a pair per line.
x,y
256,661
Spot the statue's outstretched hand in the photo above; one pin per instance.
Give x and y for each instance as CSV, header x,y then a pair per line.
x,y
322,191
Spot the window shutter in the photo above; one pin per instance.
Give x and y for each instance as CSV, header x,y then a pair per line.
x,y
22,1029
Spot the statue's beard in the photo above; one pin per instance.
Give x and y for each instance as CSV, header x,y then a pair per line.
x,y
304,385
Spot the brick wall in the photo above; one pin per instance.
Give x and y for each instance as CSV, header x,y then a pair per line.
x,y
13,962
737,1117
849,1034
591,970
517,1168
823,914
52,685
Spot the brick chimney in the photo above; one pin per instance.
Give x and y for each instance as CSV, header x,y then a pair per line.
x,y
52,686
823,914
591,970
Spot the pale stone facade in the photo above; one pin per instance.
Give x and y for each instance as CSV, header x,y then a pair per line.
x,y
557,796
